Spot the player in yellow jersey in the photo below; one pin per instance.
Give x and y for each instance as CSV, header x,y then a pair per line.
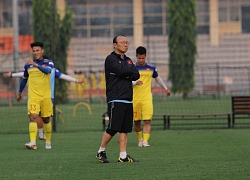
x,y
76,94
142,96
38,71
57,74
93,80
82,89
102,86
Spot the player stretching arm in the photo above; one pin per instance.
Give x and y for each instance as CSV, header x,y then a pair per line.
x,y
61,76
57,74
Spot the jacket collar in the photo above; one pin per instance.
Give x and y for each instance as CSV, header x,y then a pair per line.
x,y
118,55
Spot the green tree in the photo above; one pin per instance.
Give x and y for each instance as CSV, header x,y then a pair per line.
x,y
61,49
43,20
41,26
182,45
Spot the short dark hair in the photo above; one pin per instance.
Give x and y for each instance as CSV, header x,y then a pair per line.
x,y
141,50
36,44
115,38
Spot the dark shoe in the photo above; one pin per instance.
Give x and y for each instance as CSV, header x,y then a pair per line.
x,y
128,159
102,157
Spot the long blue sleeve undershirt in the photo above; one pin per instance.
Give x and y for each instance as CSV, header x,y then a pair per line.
x,y
45,70
22,85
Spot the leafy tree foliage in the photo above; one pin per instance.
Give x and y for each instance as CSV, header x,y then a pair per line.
x,y
182,45
49,29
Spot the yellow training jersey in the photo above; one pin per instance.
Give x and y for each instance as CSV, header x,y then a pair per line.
x,y
102,81
143,92
39,82
93,81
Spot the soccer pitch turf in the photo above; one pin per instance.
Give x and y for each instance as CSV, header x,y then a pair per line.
x,y
174,154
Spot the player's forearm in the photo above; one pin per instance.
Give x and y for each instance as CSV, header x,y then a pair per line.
x,y
18,74
68,78
22,85
45,70
161,83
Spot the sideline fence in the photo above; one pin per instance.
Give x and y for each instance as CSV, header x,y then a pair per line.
x,y
221,71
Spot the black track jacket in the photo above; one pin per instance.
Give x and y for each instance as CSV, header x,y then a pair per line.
x,y
119,75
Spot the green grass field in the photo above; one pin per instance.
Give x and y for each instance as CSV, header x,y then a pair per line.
x,y
195,154
15,120
210,153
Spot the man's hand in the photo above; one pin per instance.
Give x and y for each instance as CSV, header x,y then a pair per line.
x,y
31,62
139,83
80,81
168,92
19,97
7,75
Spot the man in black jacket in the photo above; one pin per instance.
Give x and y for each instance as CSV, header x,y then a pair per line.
x,y
119,73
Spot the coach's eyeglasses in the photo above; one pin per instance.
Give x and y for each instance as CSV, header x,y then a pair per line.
x,y
124,42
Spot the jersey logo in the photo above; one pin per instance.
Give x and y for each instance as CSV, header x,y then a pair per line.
x,y
120,62
129,61
43,65
147,69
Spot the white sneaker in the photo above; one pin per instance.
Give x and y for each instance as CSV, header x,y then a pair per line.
x,y
42,137
145,144
140,143
48,145
31,145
